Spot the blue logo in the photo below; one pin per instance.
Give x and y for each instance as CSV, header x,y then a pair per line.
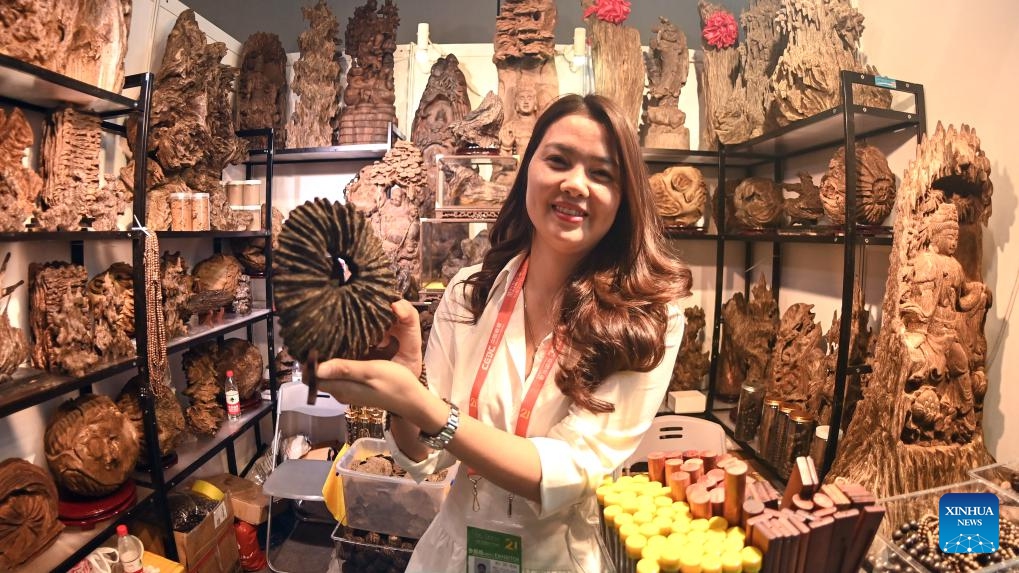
x,y
968,523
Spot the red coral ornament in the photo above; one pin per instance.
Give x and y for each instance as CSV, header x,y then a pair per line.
x,y
614,11
720,30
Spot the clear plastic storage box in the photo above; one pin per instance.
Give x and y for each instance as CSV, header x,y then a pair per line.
x,y
390,505
1003,475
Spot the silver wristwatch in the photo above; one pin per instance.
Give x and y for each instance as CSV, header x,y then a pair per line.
x,y
440,440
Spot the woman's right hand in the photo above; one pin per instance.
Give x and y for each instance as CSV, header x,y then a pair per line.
x,y
406,334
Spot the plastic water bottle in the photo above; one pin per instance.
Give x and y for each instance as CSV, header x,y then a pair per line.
x,y
233,397
130,549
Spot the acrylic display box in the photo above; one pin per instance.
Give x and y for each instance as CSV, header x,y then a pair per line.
x,y
1003,475
384,504
886,555
448,245
472,186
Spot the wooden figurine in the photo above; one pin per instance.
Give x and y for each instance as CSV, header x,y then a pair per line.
x,y
19,185
315,82
261,99
370,113
875,186
13,344
693,362
667,65
680,195
525,61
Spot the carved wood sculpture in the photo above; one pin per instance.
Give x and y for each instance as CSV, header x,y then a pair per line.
x,y
667,65
91,447
28,512
748,339
370,95
680,195
393,195
744,114
919,424
71,145
204,415
464,253
242,300
861,351
191,125
758,203
875,186
479,130
262,94
315,81
525,61
19,185
804,207
83,39
443,102
215,284
245,360
111,301
251,252
821,38
798,357
616,55
13,344
169,414
692,362
177,290
719,34
60,318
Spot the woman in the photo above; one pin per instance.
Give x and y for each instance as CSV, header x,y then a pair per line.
x,y
577,288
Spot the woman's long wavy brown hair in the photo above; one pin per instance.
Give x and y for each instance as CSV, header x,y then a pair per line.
x,y
613,313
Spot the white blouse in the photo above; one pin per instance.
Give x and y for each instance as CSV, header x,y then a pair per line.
x,y
577,448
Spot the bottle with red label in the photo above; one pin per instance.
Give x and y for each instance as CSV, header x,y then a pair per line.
x,y
233,397
130,549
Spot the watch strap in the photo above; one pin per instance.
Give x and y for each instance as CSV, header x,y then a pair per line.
x,y
440,440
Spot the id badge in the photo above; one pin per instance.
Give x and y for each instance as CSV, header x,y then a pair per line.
x,y
490,551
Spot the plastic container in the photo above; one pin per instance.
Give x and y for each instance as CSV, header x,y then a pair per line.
x,y
180,212
1004,475
911,506
200,212
389,505
253,214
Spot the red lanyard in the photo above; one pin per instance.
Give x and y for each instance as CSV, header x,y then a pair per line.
x,y
502,321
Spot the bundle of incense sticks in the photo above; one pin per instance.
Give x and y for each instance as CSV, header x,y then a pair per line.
x,y
702,496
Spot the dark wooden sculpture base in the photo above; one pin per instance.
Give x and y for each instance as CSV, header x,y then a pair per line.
x,y
85,513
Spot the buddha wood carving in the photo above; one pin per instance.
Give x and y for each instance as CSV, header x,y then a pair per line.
x,y
719,33
19,185
798,357
393,195
83,39
111,301
680,195
169,414
315,81
261,99
758,203
804,207
13,344
479,130
525,61
192,131
667,65
370,94
875,186
692,362
177,289
28,512
91,447
616,55
60,318
71,146
744,114
749,337
919,424
204,415
821,38
443,102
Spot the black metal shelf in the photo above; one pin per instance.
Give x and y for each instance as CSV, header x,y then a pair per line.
x,y
689,234
320,154
66,236
831,235
73,544
40,89
192,456
822,131
201,333
211,234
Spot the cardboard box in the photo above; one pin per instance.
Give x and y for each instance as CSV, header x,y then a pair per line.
x,y
211,547
246,498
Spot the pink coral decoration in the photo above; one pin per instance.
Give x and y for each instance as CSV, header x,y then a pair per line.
x,y
720,30
614,11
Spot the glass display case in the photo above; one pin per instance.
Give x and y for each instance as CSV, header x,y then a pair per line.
x,y
448,245
472,186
